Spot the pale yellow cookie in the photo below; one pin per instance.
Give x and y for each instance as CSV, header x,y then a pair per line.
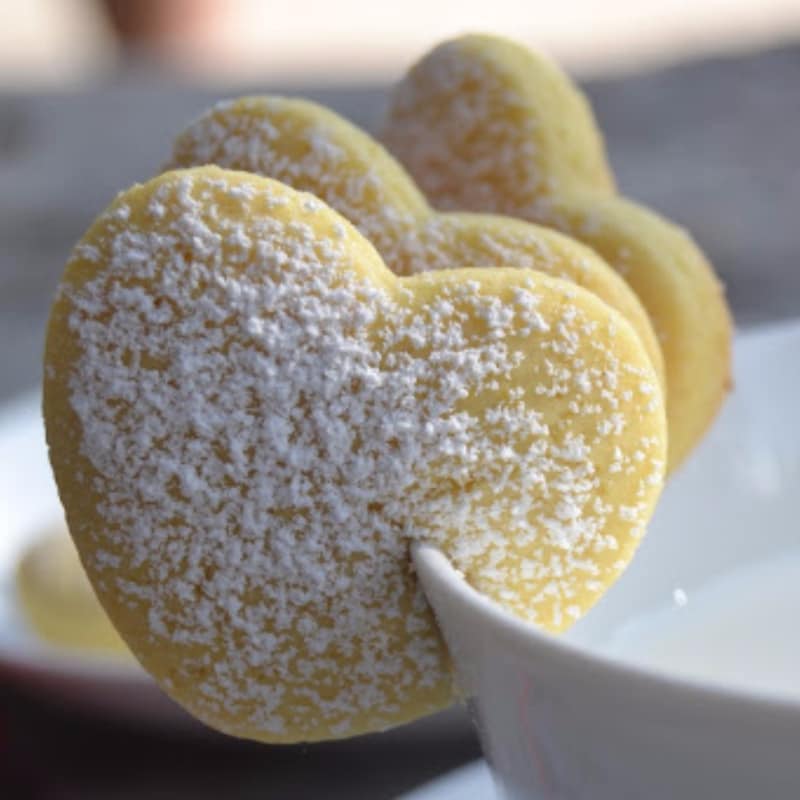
x,y
483,124
310,148
250,418
58,602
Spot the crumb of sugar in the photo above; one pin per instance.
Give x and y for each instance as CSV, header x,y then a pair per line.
x,y
269,432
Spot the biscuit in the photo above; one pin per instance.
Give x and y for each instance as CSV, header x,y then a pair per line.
x,y
250,418
310,148
483,124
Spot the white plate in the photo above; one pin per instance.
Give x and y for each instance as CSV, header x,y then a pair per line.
x,y
472,782
29,506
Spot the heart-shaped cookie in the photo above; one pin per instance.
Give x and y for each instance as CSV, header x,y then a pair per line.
x,y
484,124
250,418
310,148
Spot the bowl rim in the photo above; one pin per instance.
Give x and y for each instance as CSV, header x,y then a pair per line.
x,y
441,581
439,577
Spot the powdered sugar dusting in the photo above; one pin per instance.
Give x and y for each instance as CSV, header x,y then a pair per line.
x,y
463,131
271,420
312,149
486,125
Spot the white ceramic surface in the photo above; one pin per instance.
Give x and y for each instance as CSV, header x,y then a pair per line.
x,y
472,782
562,719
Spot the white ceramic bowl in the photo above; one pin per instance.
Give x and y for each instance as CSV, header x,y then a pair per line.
x,y
561,719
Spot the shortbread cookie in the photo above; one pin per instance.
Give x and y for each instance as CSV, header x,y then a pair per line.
x,y
310,148
250,418
483,124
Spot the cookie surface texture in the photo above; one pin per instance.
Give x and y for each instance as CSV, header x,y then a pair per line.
x,y
483,124
310,148
250,417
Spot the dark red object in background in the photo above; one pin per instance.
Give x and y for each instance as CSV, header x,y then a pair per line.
x,y
148,22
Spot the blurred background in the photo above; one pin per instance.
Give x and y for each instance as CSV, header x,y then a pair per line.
x,y
700,103
57,43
